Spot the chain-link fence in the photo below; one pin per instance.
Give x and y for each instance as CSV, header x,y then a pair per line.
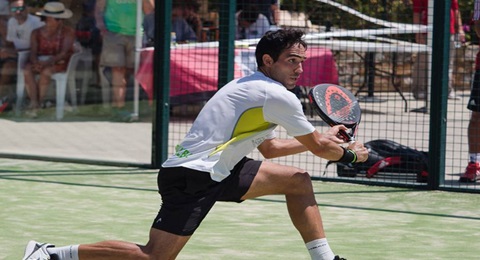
x,y
136,88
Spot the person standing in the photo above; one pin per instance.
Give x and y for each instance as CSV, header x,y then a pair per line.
x,y
210,164
472,172
269,8
250,23
420,69
117,22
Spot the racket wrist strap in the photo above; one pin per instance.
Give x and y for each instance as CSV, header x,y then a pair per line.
x,y
349,156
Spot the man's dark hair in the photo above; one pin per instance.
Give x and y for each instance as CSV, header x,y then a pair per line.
x,y
274,43
187,3
249,14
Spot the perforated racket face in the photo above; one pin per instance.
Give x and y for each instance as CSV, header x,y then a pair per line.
x,y
335,105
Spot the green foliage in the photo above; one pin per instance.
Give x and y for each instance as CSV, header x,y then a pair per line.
x,y
36,3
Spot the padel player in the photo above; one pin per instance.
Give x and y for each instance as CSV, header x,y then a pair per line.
x,y
209,165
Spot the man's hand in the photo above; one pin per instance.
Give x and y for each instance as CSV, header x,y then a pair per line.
x,y
360,150
333,134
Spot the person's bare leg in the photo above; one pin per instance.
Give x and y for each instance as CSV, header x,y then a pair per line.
x,y
31,86
162,245
119,87
297,187
44,83
474,133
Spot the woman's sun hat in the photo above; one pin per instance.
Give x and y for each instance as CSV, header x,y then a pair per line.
x,y
55,10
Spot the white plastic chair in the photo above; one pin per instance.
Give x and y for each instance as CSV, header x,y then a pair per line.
x,y
62,80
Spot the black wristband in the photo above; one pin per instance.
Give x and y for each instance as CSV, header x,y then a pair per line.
x,y
349,156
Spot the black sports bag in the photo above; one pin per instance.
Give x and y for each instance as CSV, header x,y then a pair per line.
x,y
388,156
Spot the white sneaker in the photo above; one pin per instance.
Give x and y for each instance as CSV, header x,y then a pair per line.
x,y
452,96
36,251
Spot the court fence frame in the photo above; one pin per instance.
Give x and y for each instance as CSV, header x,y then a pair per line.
x,y
437,107
436,138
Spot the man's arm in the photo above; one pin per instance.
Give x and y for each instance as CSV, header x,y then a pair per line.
x,y
148,6
324,145
99,15
273,148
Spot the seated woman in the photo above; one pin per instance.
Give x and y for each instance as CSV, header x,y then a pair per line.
x,y
51,48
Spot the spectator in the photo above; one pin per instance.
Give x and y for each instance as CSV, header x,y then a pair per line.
x,y
420,70
472,172
183,31
269,8
51,48
18,31
117,22
88,35
250,23
21,25
190,13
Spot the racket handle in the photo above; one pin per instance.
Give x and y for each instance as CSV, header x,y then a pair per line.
x,y
347,137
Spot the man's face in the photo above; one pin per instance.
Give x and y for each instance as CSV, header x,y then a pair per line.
x,y
18,9
288,67
243,23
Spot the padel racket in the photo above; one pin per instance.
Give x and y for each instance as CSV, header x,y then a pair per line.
x,y
336,105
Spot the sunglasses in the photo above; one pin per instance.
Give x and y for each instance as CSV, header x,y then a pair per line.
x,y
17,9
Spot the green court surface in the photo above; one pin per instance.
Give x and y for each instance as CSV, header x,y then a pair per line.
x,y
63,204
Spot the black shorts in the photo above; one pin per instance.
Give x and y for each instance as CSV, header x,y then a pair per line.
x,y
474,101
188,195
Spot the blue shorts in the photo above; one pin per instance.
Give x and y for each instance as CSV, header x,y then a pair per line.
x,y
188,195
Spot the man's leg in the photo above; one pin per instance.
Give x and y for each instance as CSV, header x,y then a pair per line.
x,y
420,76
44,83
119,87
474,133
162,245
472,172
297,186
302,206
31,87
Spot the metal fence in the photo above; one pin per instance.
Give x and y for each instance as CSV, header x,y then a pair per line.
x,y
373,52
377,57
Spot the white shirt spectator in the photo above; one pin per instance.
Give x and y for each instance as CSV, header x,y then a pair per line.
x,y
255,30
19,34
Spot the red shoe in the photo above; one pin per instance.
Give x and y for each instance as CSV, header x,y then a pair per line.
x,y
3,106
472,173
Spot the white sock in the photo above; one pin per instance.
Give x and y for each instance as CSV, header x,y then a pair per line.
x,y
474,157
320,250
65,252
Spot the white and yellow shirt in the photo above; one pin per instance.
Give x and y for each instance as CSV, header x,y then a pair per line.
x,y
238,118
